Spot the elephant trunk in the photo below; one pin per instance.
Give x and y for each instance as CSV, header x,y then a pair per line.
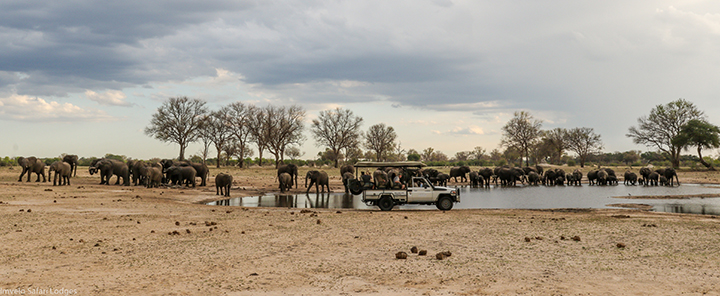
x,y
306,177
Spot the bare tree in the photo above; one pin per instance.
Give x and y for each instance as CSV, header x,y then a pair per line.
x,y
557,139
258,129
663,125
521,133
285,127
478,152
381,139
240,122
217,129
294,152
584,141
337,129
178,120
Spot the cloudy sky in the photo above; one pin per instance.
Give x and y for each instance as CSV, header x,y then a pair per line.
x,y
85,77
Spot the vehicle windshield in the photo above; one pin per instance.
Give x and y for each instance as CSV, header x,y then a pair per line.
x,y
420,182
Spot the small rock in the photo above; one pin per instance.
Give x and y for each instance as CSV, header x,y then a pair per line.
x,y
447,253
620,245
29,210
187,230
48,189
242,232
338,212
318,221
152,231
228,212
177,223
414,250
254,274
576,238
562,237
538,238
422,253
53,247
440,256
401,255
527,239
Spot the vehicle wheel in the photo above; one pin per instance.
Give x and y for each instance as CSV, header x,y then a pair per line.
x,y
445,203
355,187
386,203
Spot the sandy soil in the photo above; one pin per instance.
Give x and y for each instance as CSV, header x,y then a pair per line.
x,y
89,239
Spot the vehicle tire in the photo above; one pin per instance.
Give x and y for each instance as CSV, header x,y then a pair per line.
x,y
445,203
386,203
355,187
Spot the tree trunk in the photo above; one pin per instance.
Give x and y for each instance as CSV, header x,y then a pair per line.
x,y
242,156
218,157
706,164
260,155
181,157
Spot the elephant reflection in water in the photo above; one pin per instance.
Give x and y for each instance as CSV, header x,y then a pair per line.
x,y
286,201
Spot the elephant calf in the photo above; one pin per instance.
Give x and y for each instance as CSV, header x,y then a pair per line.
x,y
153,177
223,181
63,169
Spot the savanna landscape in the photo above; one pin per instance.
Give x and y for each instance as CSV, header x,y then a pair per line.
x,y
91,239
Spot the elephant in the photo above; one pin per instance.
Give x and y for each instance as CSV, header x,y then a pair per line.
x,y
461,172
549,178
533,178
346,178
138,170
602,177
645,172
286,182
201,170
31,165
430,173
442,179
223,181
291,169
630,178
379,176
509,176
348,168
576,178
475,179
109,167
592,177
72,159
182,175
670,173
528,169
663,181
539,170
153,177
652,179
319,178
60,168
560,177
486,173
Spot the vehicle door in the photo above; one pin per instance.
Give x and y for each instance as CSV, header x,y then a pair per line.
x,y
419,190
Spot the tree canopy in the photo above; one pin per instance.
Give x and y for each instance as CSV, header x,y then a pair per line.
x,y
701,134
337,129
178,120
521,133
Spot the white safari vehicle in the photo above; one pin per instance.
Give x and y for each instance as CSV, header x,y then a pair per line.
x,y
418,190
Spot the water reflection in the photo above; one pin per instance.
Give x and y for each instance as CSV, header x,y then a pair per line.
x,y
521,197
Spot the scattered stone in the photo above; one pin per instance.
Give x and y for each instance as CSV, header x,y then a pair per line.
x,y
414,250
254,274
228,212
152,231
187,230
338,212
53,247
22,210
211,229
48,189
304,211
242,232
562,237
620,245
96,245
440,256
29,210
138,222
620,216
447,253
318,221
576,238
650,225
422,253
405,217
177,223
538,238
81,241
54,201
19,230
527,239
401,255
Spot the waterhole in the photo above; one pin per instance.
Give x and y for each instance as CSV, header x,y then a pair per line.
x,y
687,198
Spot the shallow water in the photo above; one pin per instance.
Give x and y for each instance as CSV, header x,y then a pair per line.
x,y
521,197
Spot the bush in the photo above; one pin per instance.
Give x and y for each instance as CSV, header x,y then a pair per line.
x,y
571,162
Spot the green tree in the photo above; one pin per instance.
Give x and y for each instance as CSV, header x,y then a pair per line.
x,y
701,134
584,141
380,138
662,126
337,129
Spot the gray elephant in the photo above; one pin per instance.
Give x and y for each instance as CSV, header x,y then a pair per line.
x,y
346,178
509,176
292,170
486,173
663,181
153,177
286,181
602,177
138,170
180,175
319,178
461,172
669,174
575,178
71,159
549,178
348,168
31,165
533,178
109,167
442,179
645,173
476,179
63,169
592,177
630,178
201,170
652,179
223,182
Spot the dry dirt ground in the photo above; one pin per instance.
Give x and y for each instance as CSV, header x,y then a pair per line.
x,y
90,239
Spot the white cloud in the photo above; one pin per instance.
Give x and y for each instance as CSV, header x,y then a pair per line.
x,y
110,97
25,108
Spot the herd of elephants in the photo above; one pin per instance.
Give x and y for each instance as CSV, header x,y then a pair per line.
x,y
172,172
